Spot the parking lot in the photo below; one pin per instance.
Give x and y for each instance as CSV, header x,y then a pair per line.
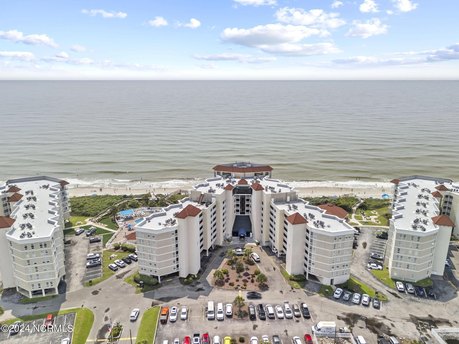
x,y
33,331
75,262
233,327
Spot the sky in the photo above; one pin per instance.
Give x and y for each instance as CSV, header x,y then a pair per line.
x,y
229,39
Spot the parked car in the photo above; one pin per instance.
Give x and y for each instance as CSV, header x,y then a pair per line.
x,y
196,338
383,235
227,340
366,299
430,293
261,312
255,257
288,311
238,251
133,257
253,295
173,314
15,328
220,312
305,311
127,260
93,263
134,314
91,231
447,263
91,256
307,338
400,286
113,267
279,312
252,312
347,295
356,298
216,340
187,340
229,310
420,291
265,339
409,288
65,340
120,263
164,315
205,338
276,339
184,313
253,340
338,292
95,239
296,340
176,341
79,231
376,256
270,311
49,321
376,303
296,311
374,266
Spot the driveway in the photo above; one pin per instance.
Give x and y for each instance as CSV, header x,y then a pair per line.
x,y
75,262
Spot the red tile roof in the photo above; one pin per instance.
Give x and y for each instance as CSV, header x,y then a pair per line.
x,y
13,188
6,222
441,187
189,210
229,187
63,183
334,210
131,236
242,182
436,194
223,168
296,219
14,197
257,187
443,220
395,181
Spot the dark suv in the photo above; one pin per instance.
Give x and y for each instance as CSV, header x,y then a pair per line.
x,y
261,312
252,313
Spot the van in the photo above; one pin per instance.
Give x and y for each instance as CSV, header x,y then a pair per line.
x,y
220,313
210,310
393,340
361,340
324,328
270,311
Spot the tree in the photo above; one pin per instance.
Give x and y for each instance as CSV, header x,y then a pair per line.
x,y
239,267
248,252
219,276
239,302
230,253
261,279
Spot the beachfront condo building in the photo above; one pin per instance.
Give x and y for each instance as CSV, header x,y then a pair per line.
x,y
421,226
242,200
32,215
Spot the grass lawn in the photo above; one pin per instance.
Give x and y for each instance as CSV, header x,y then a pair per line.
x,y
138,290
147,328
1,311
383,276
106,237
357,286
83,322
426,282
326,290
26,300
107,221
106,272
74,220
294,284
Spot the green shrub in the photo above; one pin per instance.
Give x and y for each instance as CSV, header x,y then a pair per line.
x,y
128,248
148,280
257,272
297,278
241,339
117,246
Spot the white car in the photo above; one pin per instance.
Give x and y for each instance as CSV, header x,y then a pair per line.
x,y
288,311
91,256
366,299
220,313
253,340
184,313
176,341
374,266
409,288
338,292
65,340
229,310
113,267
238,252
173,314
216,340
296,340
134,314
400,286
356,298
279,312
120,263
255,257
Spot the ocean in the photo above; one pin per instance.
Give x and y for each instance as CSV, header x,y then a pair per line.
x,y
172,130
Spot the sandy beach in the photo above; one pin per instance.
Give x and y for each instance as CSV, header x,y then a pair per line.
x,y
304,189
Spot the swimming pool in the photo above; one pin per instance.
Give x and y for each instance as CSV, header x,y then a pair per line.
x,y
138,220
127,212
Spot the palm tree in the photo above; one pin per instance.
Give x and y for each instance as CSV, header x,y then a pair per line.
x,y
239,303
219,276
261,279
248,252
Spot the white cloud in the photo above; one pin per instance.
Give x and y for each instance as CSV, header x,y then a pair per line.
x,y
405,58
105,14
241,58
192,24
369,28
336,4
368,6
158,22
256,2
83,61
317,18
405,5
62,55
17,55
78,48
299,49
33,39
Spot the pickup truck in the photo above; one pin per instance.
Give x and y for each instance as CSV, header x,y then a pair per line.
x,y
164,315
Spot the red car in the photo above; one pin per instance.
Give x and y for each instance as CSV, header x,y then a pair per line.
x,y
307,338
205,339
49,321
187,340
